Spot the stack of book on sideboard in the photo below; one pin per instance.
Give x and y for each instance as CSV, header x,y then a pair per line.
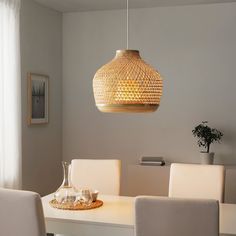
x,y
152,161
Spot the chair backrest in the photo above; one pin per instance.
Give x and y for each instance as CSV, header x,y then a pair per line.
x,y
101,175
176,217
21,213
197,181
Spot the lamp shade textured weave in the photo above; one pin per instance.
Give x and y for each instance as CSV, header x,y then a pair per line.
x,y
127,84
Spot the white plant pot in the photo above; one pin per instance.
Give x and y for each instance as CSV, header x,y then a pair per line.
x,y
207,158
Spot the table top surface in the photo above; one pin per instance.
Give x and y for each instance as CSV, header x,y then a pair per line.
x,y
119,211
116,210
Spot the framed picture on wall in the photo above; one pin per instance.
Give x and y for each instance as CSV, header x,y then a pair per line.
x,y
37,98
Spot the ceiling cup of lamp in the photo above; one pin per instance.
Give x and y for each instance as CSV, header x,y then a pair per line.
x,y
127,84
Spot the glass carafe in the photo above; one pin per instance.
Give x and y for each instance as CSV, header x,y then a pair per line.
x,y
66,193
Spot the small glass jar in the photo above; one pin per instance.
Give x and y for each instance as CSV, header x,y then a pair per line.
x,y
84,197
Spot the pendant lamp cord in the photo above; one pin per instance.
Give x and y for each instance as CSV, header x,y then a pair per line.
x,y
127,24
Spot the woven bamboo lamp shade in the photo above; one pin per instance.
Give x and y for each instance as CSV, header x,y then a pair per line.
x,y
127,84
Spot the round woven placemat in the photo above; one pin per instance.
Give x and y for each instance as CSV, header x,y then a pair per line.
x,y
55,204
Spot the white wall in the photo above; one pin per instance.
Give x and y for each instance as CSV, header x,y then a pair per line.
x,y
41,52
194,49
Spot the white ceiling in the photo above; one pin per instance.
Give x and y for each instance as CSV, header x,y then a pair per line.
x,y
94,5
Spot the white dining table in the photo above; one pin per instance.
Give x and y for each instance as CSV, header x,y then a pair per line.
x,y
115,217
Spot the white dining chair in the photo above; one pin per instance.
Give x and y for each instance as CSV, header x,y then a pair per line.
x,y
197,181
97,174
176,217
21,213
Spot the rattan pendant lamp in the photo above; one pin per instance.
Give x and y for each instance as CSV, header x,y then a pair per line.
x,y
127,83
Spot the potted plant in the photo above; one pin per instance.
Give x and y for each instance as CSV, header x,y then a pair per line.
x,y
206,136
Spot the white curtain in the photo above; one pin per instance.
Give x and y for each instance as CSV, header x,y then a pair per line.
x,y
10,95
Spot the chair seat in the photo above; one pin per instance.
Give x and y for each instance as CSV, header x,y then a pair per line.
x,y
163,216
101,175
197,181
21,213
